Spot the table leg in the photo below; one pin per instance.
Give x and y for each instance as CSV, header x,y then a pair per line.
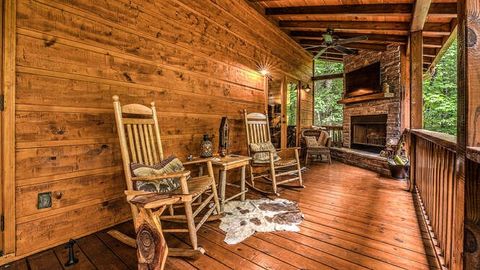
x,y
223,186
242,183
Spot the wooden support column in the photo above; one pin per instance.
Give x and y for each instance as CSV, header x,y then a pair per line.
x,y
468,137
416,75
7,124
405,94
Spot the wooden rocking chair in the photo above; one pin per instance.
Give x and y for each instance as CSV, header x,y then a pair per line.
x,y
274,172
139,134
152,249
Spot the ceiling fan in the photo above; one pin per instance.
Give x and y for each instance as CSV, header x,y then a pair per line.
x,y
330,41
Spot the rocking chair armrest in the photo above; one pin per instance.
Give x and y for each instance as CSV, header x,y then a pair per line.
x,y
168,201
207,161
163,176
261,151
197,161
288,149
151,200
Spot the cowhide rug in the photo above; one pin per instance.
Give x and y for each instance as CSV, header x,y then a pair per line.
x,y
242,219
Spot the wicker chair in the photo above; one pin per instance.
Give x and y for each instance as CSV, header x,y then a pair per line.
x,y
317,145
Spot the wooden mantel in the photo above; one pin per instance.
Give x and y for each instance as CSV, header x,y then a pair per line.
x,y
363,98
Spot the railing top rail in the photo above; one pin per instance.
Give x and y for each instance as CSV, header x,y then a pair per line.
x,y
444,140
331,127
473,153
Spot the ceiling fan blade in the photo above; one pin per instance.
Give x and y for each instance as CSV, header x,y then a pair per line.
x,y
313,47
345,50
350,40
320,53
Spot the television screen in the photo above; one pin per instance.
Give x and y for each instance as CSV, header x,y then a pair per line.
x,y
363,81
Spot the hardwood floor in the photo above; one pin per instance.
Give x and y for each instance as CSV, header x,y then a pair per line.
x,y
354,219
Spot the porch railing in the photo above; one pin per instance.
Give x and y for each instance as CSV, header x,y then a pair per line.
x,y
336,133
433,158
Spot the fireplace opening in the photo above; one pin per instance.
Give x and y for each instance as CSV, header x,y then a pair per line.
x,y
369,132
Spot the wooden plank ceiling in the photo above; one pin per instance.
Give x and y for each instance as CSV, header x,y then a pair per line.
x,y
383,21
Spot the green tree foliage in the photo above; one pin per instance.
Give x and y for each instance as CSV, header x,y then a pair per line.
x,y
327,93
440,95
292,104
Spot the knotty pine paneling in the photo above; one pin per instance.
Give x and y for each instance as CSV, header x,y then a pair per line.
x,y
198,60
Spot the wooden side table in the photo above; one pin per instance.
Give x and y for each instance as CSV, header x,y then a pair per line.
x,y
228,163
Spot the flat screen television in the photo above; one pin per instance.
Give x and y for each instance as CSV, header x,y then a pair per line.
x,y
363,81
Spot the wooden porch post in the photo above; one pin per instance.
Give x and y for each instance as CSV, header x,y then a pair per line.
x,y
468,136
416,65
7,56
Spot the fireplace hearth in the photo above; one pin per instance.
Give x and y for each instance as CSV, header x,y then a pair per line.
x,y
369,132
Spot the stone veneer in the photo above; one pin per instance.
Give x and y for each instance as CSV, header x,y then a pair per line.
x,y
390,73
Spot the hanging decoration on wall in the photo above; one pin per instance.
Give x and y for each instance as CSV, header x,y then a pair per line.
x,y
224,137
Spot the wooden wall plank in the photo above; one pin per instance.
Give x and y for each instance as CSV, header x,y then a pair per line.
x,y
197,61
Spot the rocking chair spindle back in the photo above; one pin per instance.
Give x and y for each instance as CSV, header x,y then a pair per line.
x,y
258,131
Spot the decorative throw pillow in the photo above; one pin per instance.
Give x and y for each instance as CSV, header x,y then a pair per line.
x,y
311,141
263,157
323,138
168,165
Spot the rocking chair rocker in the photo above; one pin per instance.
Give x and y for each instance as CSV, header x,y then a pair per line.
x,y
273,170
139,134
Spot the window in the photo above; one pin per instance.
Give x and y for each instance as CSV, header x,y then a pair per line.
x,y
440,95
327,92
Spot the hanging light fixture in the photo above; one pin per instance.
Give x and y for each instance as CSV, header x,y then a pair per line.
x,y
307,88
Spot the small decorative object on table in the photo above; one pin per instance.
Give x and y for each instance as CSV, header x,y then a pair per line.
x,y
223,138
206,147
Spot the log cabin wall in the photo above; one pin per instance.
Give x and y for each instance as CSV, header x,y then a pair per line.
x,y
197,60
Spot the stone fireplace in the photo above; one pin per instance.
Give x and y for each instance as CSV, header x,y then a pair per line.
x,y
383,111
370,121
368,132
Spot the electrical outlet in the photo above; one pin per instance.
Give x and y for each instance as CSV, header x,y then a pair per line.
x,y
44,200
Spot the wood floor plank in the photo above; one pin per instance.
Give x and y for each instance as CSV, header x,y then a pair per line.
x,y
83,262
258,257
99,254
202,262
221,254
16,265
46,260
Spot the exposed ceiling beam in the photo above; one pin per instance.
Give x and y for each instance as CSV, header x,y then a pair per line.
x,y
430,42
391,28
341,9
365,46
420,13
327,77
443,49
371,37
329,51
345,25
437,8
331,59
329,55
430,52
437,29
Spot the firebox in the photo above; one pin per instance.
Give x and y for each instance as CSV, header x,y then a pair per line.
x,y
369,132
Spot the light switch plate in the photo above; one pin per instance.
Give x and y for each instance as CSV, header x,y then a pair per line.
x,y
44,200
